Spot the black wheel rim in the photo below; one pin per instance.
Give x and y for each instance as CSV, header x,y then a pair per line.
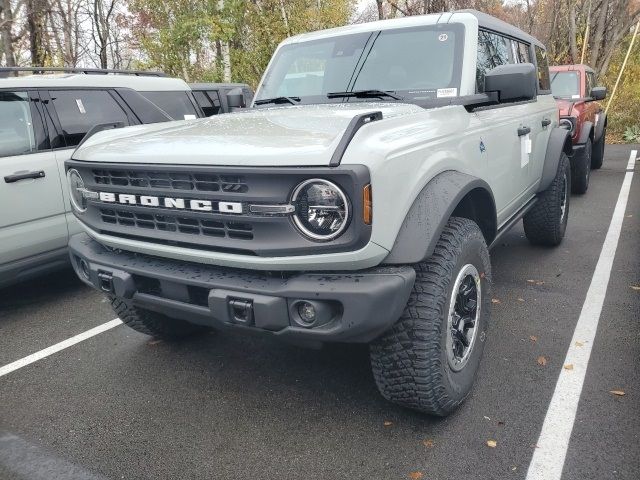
x,y
463,317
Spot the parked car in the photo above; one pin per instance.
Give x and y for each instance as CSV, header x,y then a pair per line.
x,y
42,119
356,205
213,98
575,90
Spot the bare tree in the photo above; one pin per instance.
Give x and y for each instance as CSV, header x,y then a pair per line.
x,y
6,27
103,13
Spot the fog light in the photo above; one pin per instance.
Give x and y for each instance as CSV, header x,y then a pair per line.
x,y
307,312
84,268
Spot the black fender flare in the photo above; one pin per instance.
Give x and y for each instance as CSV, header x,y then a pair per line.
x,y
430,212
585,133
600,126
559,142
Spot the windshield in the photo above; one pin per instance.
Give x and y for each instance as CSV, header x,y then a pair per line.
x,y
176,104
565,84
416,63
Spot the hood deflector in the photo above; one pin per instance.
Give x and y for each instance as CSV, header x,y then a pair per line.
x,y
353,127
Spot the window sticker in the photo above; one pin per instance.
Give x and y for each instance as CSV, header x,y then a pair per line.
x,y
189,117
80,105
575,96
525,150
447,92
443,37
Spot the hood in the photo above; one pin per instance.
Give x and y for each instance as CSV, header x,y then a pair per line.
x,y
304,135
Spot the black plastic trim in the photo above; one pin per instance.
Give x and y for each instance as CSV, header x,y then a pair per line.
x,y
99,128
355,124
512,221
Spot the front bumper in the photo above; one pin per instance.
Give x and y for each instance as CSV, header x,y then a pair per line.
x,y
350,306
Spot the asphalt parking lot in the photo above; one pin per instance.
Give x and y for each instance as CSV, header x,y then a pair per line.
x,y
225,406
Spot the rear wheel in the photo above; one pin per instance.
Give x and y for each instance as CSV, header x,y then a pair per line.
x,y
581,168
153,323
546,222
429,359
598,151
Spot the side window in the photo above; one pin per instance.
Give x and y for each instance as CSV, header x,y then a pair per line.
x,y
521,52
544,82
493,50
79,110
17,135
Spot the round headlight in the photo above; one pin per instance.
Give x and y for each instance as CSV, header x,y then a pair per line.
x,y
76,189
322,209
567,124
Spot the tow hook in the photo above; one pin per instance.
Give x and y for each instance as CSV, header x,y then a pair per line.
x,y
105,280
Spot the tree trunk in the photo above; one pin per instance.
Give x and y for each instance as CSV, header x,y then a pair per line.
x,y
380,10
599,32
573,47
5,33
35,26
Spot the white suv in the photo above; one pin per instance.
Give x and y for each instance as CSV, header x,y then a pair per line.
x,y
42,119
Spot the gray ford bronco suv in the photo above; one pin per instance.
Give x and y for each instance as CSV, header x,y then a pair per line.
x,y
355,202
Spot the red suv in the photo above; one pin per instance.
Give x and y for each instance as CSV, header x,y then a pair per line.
x,y
574,88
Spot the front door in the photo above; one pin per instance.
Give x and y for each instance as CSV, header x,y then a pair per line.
x,y
32,213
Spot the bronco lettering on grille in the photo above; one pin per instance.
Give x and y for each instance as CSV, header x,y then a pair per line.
x,y
169,202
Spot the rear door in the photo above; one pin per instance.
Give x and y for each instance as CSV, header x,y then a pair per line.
x,y
32,219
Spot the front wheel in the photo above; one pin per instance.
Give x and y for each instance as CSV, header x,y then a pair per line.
x,y
428,360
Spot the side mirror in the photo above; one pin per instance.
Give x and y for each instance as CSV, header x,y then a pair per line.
x,y
512,82
598,93
235,98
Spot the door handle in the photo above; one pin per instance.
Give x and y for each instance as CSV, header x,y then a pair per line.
x,y
23,176
545,122
522,131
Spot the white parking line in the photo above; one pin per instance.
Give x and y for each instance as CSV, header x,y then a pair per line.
x,y
34,357
548,459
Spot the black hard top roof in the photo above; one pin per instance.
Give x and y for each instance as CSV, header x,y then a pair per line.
x,y
492,23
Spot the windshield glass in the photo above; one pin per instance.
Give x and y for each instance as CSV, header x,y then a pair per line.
x,y
565,84
176,104
416,63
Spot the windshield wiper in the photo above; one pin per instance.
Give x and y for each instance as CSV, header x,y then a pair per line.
x,y
291,100
364,94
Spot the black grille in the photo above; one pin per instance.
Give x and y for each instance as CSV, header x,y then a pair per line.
x,y
204,182
172,223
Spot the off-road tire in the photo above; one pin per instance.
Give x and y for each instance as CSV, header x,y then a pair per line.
x,y
598,151
409,361
546,223
153,323
581,168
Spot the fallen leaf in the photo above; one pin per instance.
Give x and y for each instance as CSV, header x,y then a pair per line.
x,y
619,393
635,287
154,342
542,360
630,215
533,338
492,443
387,423
500,423
495,300
485,417
513,469
536,282
579,344
568,366
428,443
415,475
520,299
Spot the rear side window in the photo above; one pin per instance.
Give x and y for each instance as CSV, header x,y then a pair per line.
x,y
80,110
543,69
521,52
176,104
493,51
17,135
